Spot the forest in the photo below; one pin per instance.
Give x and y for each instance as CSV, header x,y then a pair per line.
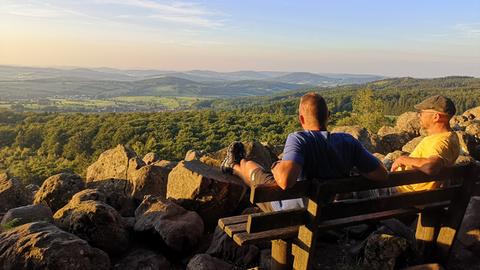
x,y
34,146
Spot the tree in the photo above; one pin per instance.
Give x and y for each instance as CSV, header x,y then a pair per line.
x,y
367,111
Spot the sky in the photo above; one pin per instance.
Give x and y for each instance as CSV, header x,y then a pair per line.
x,y
418,38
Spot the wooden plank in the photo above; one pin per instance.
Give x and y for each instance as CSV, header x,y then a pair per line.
x,y
281,255
231,220
231,230
246,238
456,211
360,183
252,238
342,209
268,221
428,225
272,192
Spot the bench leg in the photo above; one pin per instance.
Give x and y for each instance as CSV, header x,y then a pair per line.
x,y
281,255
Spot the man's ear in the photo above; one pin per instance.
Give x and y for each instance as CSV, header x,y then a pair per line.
x,y
301,119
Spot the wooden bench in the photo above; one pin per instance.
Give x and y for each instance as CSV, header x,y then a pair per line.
x,y
294,232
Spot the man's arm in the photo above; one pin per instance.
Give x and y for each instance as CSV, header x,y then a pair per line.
x,y
379,174
431,165
286,173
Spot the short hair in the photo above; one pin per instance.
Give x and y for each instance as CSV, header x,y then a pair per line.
x,y
314,107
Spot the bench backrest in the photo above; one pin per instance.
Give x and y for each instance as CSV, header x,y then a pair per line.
x,y
323,212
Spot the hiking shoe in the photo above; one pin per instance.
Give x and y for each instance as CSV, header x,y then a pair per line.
x,y
235,153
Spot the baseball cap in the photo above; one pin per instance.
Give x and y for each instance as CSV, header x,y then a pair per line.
x,y
437,103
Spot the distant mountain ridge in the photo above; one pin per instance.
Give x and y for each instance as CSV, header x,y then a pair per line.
x,y
36,82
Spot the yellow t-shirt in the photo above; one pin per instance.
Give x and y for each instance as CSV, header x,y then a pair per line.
x,y
444,145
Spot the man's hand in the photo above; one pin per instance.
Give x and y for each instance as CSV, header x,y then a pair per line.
x,y
400,162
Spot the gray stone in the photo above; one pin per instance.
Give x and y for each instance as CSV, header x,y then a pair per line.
x,y
57,190
150,158
180,229
410,146
409,122
43,246
96,222
222,246
205,189
12,193
117,193
142,259
207,262
27,214
368,140
113,163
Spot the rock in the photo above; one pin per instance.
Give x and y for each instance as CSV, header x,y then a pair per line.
x,y
32,188
473,113
381,251
57,190
180,229
459,122
473,129
464,160
27,214
410,146
12,193
96,222
409,122
379,156
469,145
142,259
391,157
393,141
149,180
117,193
253,151
469,233
265,260
41,245
166,164
123,164
150,158
207,262
88,194
205,189
113,163
385,130
194,155
369,141
462,258
222,246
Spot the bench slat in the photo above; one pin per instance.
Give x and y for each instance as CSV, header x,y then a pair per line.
x,y
233,229
244,238
266,221
358,207
272,192
232,220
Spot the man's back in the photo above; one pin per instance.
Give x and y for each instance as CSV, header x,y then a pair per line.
x,y
324,155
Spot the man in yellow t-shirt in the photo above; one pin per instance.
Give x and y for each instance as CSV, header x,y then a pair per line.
x,y
437,150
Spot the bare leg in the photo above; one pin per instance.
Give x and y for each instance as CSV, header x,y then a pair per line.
x,y
244,170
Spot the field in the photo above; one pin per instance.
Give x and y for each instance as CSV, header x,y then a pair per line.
x,y
116,104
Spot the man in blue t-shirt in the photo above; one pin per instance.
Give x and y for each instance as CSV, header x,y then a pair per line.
x,y
308,154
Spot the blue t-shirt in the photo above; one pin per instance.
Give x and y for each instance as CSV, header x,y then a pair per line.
x,y
322,156
310,150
